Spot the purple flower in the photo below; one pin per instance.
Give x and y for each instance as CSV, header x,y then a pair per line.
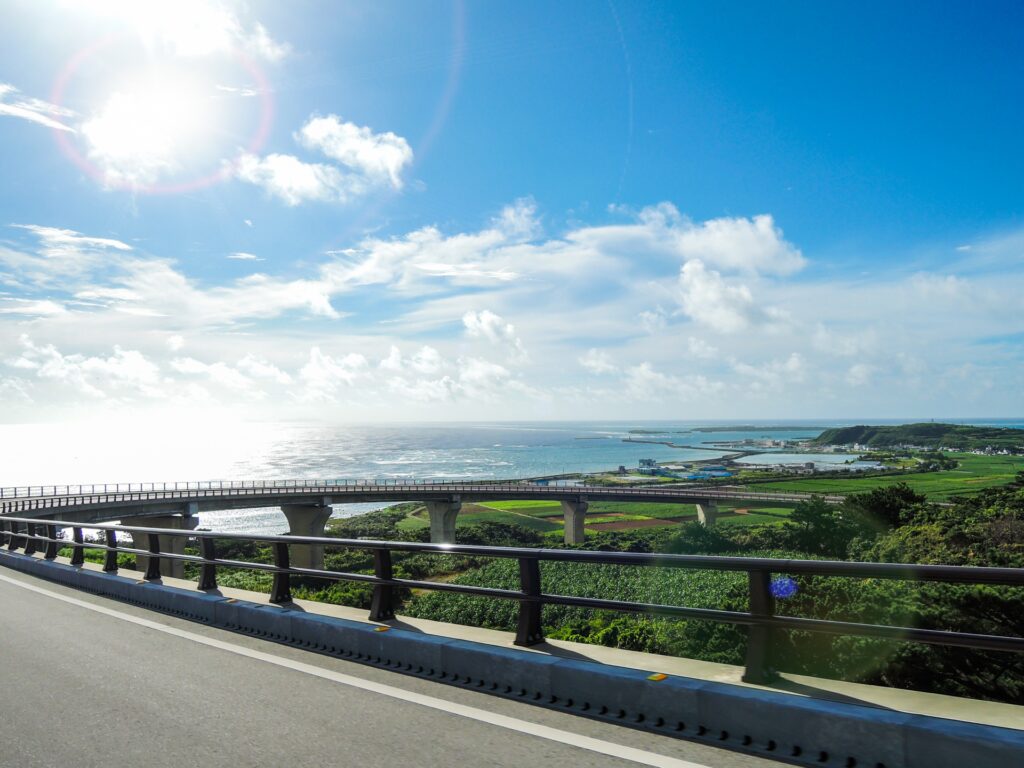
x,y
783,587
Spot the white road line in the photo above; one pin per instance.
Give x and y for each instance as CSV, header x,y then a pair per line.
x,y
502,721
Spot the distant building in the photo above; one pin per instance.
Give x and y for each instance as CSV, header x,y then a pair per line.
x,y
648,463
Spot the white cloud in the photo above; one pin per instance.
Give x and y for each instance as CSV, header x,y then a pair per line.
x,y
154,287
189,28
379,158
62,254
295,182
775,374
218,373
711,300
33,110
482,379
426,360
701,349
259,368
644,383
37,307
493,328
743,245
57,243
259,43
653,322
858,343
586,289
323,375
859,374
597,361
519,221
125,372
243,256
244,92
368,161
424,390
15,389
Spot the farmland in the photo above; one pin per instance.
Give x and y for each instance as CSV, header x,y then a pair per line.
x,y
973,473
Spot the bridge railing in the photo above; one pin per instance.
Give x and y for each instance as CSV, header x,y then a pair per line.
x,y
38,491
764,622
35,498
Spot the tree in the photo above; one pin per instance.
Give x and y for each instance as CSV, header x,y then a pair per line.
x,y
888,507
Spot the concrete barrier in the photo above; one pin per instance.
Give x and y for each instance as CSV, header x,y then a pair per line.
x,y
775,724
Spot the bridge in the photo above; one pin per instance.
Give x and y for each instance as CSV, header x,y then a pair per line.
x,y
307,503
123,665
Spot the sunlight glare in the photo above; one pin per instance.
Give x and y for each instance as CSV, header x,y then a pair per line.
x,y
151,127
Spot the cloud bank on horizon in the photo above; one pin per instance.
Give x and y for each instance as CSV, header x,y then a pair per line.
x,y
228,229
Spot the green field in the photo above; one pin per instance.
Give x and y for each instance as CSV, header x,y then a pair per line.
x,y
544,516
972,475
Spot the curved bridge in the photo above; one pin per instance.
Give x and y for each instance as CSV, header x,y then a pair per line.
x,y
306,503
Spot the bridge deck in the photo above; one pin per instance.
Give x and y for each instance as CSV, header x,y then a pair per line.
x,y
62,503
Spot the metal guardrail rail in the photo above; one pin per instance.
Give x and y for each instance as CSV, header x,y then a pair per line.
x,y
31,534
31,498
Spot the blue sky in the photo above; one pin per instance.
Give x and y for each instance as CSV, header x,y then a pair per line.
x,y
462,210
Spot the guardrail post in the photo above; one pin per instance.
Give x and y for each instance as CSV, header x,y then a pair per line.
x,y
281,591
208,571
382,606
51,544
77,547
30,542
529,631
110,556
759,641
12,539
153,561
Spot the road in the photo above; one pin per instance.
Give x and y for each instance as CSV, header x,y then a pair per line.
x,y
93,682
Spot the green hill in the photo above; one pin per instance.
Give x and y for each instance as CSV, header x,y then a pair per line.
x,y
930,435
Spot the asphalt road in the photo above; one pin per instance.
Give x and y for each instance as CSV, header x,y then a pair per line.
x,y
93,682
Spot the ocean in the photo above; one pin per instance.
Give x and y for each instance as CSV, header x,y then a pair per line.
x,y
34,454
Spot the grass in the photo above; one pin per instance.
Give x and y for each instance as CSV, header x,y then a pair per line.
x,y
547,515
972,475
534,523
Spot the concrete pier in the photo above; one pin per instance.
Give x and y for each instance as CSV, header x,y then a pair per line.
x,y
306,520
707,513
442,520
175,545
573,512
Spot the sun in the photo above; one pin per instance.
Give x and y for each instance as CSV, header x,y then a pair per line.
x,y
151,127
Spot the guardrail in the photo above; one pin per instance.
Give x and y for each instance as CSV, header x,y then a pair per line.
x,y
28,534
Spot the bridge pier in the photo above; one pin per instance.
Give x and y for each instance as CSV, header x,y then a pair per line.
x,y
306,520
442,520
707,513
174,545
573,512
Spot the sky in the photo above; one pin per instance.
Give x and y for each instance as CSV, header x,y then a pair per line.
x,y
455,210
